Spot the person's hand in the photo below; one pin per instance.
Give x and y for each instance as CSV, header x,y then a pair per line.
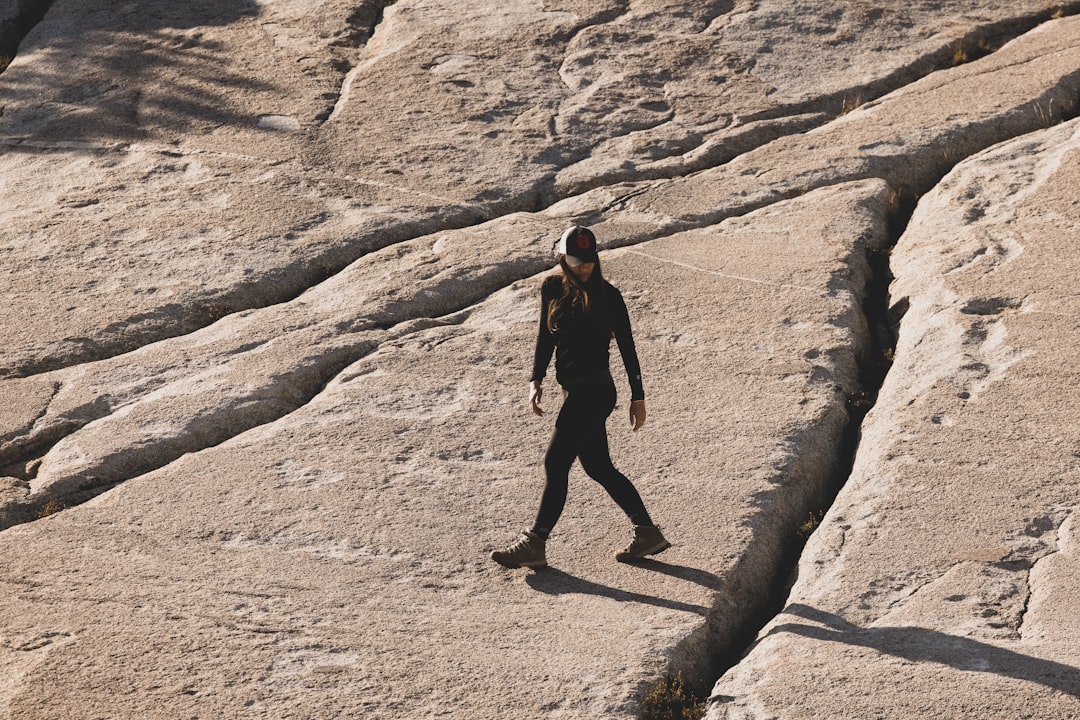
x,y
535,394
637,414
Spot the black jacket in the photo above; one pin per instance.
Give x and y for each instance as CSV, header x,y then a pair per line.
x,y
581,340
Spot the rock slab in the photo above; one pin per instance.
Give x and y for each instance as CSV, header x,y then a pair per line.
x,y
943,578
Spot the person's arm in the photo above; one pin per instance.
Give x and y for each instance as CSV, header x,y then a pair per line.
x,y
545,348
620,325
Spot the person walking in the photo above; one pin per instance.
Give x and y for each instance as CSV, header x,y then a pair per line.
x,y
580,312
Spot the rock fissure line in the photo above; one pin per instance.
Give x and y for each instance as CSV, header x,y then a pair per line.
x,y
207,431
242,298
759,585
884,319
524,269
768,125
742,278
366,23
1032,569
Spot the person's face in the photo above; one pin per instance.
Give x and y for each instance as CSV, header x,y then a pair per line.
x,y
583,271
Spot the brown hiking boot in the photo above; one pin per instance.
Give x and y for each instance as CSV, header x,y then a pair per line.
x,y
648,540
528,551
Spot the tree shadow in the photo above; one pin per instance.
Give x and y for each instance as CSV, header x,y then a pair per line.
x,y
138,67
552,581
924,645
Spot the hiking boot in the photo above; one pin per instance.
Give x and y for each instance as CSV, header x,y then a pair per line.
x,y
527,551
648,540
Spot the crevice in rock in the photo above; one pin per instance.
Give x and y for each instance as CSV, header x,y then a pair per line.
x,y
756,590
275,287
28,13
279,287
211,429
363,23
751,599
976,43
300,387
360,28
768,125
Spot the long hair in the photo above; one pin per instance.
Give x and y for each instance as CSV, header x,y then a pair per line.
x,y
574,295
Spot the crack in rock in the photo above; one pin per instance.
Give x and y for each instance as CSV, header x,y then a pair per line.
x,y
429,290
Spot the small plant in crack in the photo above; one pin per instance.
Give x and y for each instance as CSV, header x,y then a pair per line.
x,y
1045,114
213,311
849,104
859,400
959,54
671,699
813,520
50,508
5,60
952,155
964,52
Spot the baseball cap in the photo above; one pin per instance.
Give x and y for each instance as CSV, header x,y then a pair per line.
x,y
578,244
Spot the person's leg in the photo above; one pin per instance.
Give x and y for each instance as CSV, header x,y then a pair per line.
x,y
557,461
595,456
530,549
595,459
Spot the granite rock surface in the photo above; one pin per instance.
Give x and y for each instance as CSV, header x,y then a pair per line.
x,y
272,274
942,578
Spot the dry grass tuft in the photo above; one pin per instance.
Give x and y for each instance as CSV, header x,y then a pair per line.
x,y
50,508
671,699
850,103
1046,114
964,52
813,520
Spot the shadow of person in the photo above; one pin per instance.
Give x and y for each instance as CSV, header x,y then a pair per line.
x,y
925,645
705,579
556,582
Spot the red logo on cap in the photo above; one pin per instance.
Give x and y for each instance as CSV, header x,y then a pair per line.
x,y
583,241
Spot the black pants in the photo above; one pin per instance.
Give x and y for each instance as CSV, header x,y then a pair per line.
x,y
581,433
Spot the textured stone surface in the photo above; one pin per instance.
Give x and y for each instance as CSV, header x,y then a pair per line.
x,y
332,324
270,272
337,556
169,165
944,577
